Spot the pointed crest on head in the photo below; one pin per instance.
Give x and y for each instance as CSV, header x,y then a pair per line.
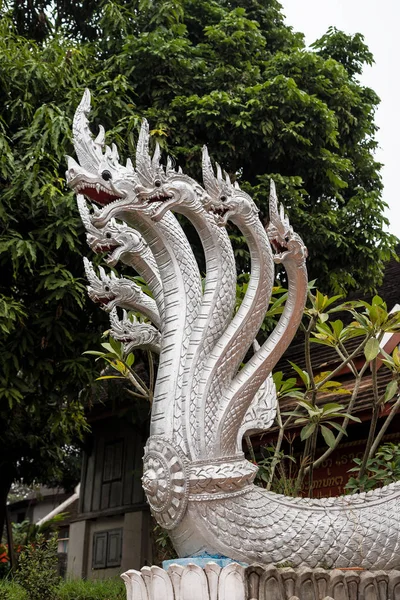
x,y
84,211
209,179
89,271
101,136
277,215
88,150
114,320
155,161
143,160
103,275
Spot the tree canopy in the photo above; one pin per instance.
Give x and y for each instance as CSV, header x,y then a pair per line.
x,y
229,74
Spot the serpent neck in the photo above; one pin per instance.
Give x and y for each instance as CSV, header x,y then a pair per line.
x,y
242,389
215,310
239,335
182,295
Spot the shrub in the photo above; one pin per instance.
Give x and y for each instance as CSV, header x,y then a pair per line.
x,y
12,591
382,469
107,589
37,569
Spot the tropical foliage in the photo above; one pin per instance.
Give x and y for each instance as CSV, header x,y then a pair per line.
x,y
318,415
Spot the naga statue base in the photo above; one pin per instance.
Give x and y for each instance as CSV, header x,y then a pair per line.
x,y
255,582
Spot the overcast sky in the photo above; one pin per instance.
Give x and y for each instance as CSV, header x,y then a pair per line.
x,y
378,21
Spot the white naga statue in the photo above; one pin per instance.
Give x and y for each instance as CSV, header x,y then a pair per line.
x,y
197,481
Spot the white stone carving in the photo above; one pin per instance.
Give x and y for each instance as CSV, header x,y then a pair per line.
x,y
197,481
235,582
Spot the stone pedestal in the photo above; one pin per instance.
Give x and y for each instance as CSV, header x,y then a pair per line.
x,y
235,582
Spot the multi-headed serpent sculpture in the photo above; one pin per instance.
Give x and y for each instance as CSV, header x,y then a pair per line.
x,y
197,481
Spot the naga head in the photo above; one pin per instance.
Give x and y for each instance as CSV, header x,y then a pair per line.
x,y
287,244
109,290
133,332
99,288
160,189
114,238
98,175
225,200
149,187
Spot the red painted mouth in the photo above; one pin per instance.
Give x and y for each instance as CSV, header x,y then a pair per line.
x,y
97,192
99,249
278,247
101,196
104,301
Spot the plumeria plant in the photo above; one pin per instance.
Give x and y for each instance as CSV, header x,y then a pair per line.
x,y
315,416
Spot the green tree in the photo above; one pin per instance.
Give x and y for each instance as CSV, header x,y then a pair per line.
x,y
46,321
235,77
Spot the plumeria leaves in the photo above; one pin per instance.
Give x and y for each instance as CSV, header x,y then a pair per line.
x,y
371,349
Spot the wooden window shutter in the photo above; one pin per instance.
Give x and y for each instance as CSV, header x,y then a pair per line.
x,y
99,550
114,548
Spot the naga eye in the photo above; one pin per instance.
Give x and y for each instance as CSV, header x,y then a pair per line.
x,y
106,175
107,288
157,183
108,235
223,198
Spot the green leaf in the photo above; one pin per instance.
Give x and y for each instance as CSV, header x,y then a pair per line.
x,y
302,374
391,390
307,431
371,349
337,426
108,347
328,436
130,359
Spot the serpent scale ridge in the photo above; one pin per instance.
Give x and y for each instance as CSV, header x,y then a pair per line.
x,y
182,294
219,293
263,527
232,346
242,389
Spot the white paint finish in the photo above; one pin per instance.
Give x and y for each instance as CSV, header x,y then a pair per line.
x,y
61,507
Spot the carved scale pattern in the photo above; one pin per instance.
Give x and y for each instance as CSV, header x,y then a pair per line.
x,y
218,298
366,528
232,346
239,396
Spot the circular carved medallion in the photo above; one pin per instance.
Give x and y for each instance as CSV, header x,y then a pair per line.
x,y
165,481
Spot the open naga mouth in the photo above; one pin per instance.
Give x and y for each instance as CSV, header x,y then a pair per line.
x,y
158,197
101,248
221,210
102,300
97,192
278,247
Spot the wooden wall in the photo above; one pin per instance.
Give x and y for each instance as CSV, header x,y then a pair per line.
x,y
112,470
